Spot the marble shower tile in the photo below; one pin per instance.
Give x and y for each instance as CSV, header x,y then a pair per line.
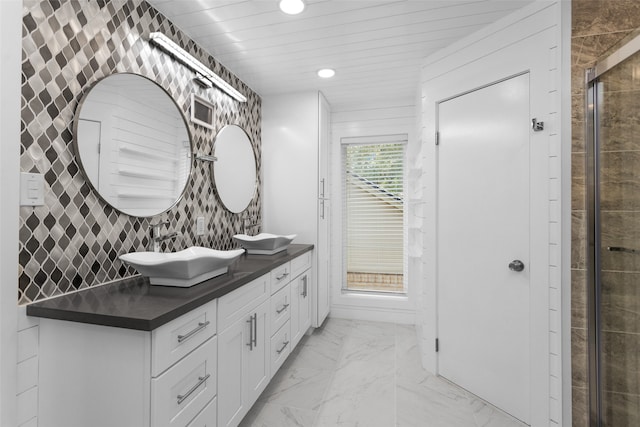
x,y
604,16
620,180
271,415
580,407
620,362
578,179
624,77
621,410
620,119
579,359
620,301
578,240
579,299
578,136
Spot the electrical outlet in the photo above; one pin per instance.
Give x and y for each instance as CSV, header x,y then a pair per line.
x,y
200,226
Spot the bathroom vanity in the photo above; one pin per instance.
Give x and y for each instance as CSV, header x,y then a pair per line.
x,y
131,354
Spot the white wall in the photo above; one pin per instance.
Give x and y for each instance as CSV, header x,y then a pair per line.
x,y
528,40
10,58
367,121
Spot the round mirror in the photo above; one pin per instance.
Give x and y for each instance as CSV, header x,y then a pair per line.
x,y
234,171
133,144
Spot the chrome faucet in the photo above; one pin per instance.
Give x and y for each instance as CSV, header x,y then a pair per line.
x,y
248,223
157,238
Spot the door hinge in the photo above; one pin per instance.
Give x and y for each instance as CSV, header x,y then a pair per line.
x,y
536,125
437,345
437,138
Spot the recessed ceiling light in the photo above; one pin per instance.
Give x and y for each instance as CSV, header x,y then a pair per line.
x,y
326,73
291,7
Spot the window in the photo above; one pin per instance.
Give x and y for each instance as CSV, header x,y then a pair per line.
x,y
373,197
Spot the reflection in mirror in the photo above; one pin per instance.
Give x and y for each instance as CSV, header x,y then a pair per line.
x,y
234,171
133,145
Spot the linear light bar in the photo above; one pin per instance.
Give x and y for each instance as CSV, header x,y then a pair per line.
x,y
166,44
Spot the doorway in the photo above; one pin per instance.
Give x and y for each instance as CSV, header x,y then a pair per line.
x,y
483,243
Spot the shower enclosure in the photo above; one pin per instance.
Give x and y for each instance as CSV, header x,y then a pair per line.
x,y
613,182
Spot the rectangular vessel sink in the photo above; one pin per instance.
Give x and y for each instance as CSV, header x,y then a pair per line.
x,y
183,268
264,243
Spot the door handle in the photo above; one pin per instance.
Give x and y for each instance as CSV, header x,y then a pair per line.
x,y
516,265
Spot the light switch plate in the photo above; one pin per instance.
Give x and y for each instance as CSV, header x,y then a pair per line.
x,y
200,226
31,189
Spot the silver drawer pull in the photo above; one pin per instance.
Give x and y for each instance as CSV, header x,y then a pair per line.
x,y
304,286
282,276
201,380
284,307
201,326
284,345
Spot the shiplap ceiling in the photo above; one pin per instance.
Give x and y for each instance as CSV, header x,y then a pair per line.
x,y
376,47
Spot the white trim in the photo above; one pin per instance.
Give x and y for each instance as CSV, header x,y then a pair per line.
x,y
565,218
354,123
404,317
375,139
527,40
10,54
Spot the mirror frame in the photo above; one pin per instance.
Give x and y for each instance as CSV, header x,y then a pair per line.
x,y
76,148
255,164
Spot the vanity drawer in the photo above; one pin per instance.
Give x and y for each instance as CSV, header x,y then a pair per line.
x,y
280,276
172,341
208,416
235,305
179,394
280,304
300,264
280,347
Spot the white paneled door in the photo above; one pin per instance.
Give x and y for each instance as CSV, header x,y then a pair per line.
x,y
483,241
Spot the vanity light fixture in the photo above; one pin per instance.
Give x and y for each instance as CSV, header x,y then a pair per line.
x,y
166,44
326,73
291,7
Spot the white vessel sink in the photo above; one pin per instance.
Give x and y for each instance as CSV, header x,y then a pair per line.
x,y
183,268
264,243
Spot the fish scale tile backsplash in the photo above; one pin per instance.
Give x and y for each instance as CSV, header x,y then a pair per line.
x,y
73,241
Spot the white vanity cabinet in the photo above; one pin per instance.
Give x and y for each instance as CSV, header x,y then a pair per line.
x,y
129,368
243,356
101,376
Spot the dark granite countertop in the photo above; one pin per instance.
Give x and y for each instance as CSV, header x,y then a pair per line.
x,y
133,303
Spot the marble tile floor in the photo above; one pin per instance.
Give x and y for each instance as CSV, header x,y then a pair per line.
x,y
353,373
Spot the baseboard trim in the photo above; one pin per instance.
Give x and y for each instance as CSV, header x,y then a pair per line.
x,y
374,314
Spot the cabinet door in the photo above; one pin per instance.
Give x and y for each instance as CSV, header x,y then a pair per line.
x,y
257,356
300,307
304,297
324,145
232,349
321,293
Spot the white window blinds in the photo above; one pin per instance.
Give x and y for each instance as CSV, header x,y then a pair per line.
x,y
373,190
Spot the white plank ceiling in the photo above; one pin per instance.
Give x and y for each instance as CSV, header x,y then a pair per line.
x,y
376,47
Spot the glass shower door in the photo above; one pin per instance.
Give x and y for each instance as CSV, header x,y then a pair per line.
x,y
616,245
